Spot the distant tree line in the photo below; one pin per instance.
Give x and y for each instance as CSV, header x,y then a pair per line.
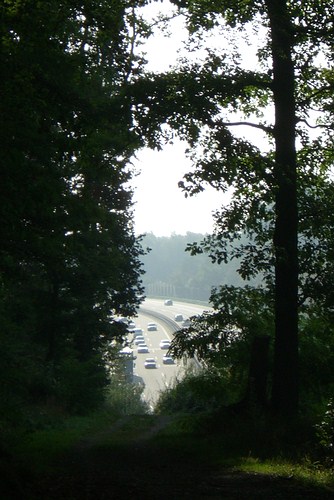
x,y
171,271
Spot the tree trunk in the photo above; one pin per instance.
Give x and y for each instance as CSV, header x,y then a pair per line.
x,y
285,372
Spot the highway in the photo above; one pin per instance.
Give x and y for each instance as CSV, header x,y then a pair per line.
x,y
156,306
163,376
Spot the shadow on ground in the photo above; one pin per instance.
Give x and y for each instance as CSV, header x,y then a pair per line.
x,y
121,463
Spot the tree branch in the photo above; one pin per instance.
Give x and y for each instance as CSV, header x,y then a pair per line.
x,y
267,130
132,45
315,126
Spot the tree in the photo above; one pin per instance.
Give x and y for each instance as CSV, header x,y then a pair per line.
x,y
69,257
170,270
285,373
199,101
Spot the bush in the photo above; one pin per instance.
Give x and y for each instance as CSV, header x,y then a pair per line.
x,y
325,434
80,385
194,393
124,398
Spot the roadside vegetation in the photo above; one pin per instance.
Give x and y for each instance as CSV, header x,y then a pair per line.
x,y
210,418
190,425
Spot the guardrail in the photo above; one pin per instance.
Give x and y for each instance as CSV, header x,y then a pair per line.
x,y
161,317
204,303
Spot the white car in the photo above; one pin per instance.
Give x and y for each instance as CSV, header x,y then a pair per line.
x,y
165,344
139,340
137,331
151,327
142,349
150,363
167,360
168,302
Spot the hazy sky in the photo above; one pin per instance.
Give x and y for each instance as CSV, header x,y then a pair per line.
x,y
160,205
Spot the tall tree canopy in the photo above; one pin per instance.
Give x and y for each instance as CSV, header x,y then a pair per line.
x,y
69,256
285,94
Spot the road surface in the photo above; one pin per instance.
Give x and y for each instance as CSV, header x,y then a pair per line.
x,y
163,376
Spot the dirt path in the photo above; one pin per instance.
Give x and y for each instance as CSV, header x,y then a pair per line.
x,y
123,462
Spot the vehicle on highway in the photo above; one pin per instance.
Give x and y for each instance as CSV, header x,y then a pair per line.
x,y
152,327
167,360
150,363
139,340
131,325
165,344
178,317
137,331
142,349
168,302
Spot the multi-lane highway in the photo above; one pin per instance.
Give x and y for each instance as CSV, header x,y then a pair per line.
x,y
163,376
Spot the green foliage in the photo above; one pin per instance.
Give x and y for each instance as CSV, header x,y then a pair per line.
x,y
195,393
208,101
69,259
125,398
316,359
222,339
235,10
79,384
325,434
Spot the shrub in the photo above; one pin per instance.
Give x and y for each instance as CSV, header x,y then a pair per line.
x,y
124,398
194,393
80,385
325,434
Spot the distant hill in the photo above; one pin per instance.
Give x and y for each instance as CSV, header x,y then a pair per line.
x,y
173,272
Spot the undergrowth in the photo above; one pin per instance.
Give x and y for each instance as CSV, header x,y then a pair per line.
x,y
248,441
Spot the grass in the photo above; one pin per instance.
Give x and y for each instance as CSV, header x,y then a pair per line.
x,y
209,444
40,448
241,447
304,471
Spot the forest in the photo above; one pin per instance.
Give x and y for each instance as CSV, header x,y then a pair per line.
x,y
170,271
77,104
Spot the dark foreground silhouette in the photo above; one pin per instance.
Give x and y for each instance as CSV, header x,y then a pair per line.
x,y
117,464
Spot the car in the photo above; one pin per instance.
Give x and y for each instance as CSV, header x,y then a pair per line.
x,y
151,327
131,325
165,344
167,360
178,317
139,340
168,302
137,331
150,363
142,349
